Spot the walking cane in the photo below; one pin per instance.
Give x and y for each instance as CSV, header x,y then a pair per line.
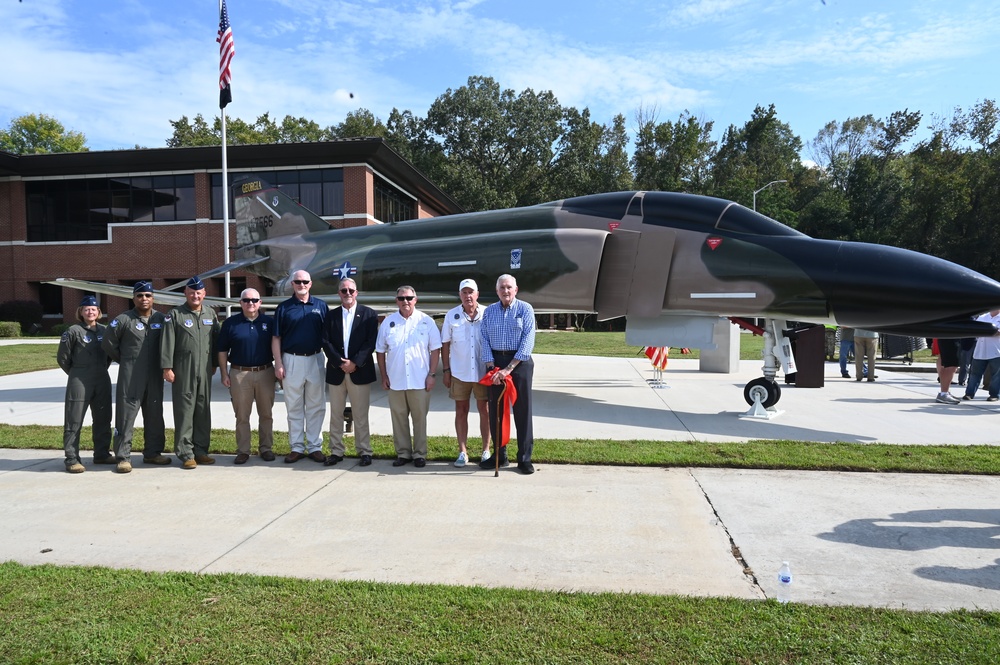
x,y
498,445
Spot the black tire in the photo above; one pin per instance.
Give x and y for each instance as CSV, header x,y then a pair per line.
x,y
769,391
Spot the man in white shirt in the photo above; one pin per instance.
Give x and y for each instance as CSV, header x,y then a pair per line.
x,y
461,344
985,355
407,350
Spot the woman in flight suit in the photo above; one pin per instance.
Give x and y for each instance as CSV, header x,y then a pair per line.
x,y
82,358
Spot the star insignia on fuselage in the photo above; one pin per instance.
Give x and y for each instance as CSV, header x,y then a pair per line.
x,y
346,270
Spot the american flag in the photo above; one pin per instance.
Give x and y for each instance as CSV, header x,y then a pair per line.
x,y
227,49
657,355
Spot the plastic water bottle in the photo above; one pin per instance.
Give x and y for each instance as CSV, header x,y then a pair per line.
x,y
784,583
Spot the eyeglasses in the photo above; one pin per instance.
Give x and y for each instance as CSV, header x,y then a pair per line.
x,y
144,295
301,282
250,300
406,298
348,291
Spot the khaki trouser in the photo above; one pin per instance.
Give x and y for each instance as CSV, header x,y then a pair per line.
x,y
360,400
404,405
247,389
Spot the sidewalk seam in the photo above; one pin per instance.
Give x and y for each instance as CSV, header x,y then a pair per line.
x,y
734,548
253,535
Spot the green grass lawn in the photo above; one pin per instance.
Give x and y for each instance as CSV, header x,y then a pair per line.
x,y
803,455
18,358
31,357
95,615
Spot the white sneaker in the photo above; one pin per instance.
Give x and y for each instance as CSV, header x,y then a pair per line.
x,y
462,459
486,455
948,398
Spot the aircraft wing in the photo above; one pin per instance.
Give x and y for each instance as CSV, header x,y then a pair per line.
x,y
222,270
162,297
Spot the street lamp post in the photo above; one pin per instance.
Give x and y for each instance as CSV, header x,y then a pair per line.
x,y
773,182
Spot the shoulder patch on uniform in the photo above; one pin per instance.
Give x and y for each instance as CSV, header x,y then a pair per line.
x,y
114,324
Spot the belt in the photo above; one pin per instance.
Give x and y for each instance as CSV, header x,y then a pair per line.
x,y
502,351
304,355
258,368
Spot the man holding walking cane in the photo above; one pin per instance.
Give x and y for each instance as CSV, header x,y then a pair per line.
x,y
508,332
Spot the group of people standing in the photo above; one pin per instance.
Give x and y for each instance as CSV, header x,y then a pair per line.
x,y
316,354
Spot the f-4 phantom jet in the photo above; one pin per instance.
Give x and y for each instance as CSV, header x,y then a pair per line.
x,y
671,264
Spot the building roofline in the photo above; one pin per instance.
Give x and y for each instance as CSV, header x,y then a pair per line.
x,y
373,151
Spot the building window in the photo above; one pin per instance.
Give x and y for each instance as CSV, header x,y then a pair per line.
x,y
391,205
81,209
320,190
50,297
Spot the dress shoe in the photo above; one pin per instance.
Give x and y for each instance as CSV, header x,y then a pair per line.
x,y
420,462
110,459
242,458
159,460
317,456
527,468
267,456
189,464
366,460
400,461
333,459
293,456
204,459
490,463
845,375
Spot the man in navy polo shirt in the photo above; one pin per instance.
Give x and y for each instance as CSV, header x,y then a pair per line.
x,y
245,341
299,364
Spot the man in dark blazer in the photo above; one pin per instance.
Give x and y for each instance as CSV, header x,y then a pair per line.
x,y
349,341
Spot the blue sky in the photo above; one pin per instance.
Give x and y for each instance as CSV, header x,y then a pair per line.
x,y
120,71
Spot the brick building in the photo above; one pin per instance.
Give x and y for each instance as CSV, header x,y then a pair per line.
x,y
124,215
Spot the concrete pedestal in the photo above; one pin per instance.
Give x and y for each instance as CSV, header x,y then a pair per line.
x,y
725,357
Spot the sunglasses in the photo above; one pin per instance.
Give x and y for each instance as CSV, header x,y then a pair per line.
x,y
348,291
406,298
250,300
301,282
144,295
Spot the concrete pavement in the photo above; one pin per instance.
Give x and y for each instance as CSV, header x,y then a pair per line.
x,y
896,540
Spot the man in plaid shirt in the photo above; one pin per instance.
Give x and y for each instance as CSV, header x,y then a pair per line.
x,y
508,332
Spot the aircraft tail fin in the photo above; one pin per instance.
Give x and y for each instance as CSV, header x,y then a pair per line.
x,y
262,212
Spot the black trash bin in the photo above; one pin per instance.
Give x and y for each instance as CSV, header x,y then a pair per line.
x,y
809,351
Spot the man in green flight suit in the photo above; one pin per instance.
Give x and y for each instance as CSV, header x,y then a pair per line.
x,y
188,360
133,341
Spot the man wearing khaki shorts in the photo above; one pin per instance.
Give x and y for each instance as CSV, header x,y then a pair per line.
x,y
460,351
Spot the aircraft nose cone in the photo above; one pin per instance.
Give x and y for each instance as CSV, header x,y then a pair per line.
x,y
877,285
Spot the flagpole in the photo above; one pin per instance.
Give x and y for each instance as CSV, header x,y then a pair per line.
x,y
226,51
225,210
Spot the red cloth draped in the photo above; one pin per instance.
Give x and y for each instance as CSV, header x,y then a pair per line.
x,y
507,399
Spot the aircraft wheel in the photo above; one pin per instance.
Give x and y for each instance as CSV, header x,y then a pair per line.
x,y
769,392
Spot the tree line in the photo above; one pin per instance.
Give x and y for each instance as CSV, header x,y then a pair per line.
x,y
869,179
